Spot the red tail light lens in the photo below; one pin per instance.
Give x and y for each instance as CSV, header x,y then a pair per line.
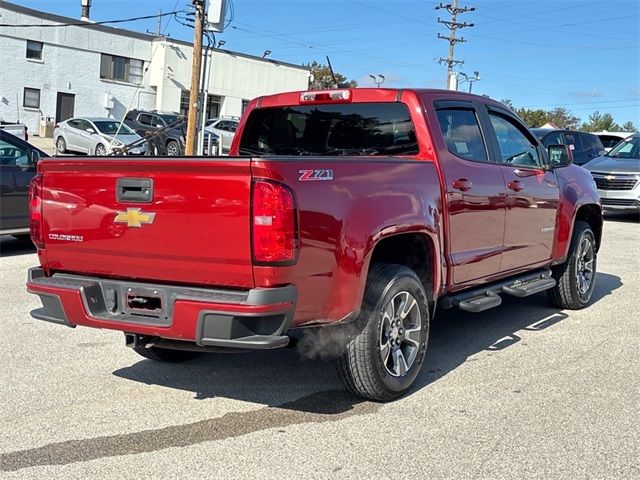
x,y
274,223
35,211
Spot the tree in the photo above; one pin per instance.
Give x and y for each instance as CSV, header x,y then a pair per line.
x,y
323,80
599,122
629,127
561,117
533,118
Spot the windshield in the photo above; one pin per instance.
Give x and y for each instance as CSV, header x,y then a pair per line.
x,y
110,128
628,148
342,129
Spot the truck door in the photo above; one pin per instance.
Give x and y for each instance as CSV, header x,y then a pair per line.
x,y
532,189
16,171
474,189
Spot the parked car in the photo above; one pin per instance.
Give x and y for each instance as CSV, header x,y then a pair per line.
x,y
584,146
20,130
18,160
224,128
165,131
96,136
617,176
611,139
355,211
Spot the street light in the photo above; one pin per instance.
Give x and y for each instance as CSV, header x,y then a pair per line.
x,y
377,79
221,43
469,79
266,53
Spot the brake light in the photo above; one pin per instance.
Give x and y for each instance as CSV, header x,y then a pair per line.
x,y
322,96
36,226
274,223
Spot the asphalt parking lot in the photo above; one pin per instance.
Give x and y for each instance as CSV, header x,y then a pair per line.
x,y
522,391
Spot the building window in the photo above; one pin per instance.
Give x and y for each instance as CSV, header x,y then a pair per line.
x,y
123,69
34,50
245,104
31,98
184,103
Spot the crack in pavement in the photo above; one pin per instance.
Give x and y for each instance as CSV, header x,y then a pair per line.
x,y
320,407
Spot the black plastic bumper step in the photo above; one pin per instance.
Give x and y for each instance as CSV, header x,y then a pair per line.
x,y
529,288
481,303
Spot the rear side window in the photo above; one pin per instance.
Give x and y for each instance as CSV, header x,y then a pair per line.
x,y
340,129
144,119
592,142
461,133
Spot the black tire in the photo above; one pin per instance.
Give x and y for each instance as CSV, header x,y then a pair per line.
x,y
361,366
173,148
570,292
165,354
61,145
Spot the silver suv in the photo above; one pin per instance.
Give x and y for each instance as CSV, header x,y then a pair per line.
x,y
617,176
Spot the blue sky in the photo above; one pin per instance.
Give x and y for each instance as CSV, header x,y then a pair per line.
x,y
583,55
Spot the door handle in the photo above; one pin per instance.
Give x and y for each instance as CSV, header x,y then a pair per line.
x,y
462,184
515,185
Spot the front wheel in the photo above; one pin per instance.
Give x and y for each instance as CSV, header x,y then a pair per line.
x,y
383,361
173,149
577,275
101,150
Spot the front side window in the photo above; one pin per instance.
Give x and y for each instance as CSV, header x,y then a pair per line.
x,y
31,98
34,50
325,129
461,133
553,138
515,147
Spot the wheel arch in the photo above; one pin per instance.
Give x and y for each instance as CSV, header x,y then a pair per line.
x,y
592,214
415,250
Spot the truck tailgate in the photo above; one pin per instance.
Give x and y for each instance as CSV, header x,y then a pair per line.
x,y
194,228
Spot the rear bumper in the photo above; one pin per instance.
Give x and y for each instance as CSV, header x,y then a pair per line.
x,y
253,319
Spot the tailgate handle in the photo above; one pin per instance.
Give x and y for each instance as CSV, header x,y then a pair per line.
x,y
134,190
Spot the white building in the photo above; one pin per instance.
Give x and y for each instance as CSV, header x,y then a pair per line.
x,y
95,70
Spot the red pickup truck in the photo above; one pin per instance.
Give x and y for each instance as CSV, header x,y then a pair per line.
x,y
358,210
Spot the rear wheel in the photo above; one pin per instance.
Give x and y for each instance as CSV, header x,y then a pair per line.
x,y
165,354
576,276
61,145
383,361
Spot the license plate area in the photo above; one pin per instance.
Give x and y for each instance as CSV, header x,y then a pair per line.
x,y
145,302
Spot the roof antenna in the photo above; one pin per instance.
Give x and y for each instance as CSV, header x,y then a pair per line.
x,y
333,75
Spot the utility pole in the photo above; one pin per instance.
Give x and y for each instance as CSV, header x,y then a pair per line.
x,y
192,119
453,25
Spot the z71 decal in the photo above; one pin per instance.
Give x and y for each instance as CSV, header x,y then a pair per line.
x,y
315,175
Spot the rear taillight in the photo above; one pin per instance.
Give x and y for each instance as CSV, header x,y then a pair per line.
x,y
35,211
274,223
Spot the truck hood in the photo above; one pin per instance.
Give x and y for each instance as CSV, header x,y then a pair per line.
x,y
606,164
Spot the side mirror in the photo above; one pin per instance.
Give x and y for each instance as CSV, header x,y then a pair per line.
x,y
35,157
560,156
91,131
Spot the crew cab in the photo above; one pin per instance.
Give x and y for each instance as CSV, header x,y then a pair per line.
x,y
357,210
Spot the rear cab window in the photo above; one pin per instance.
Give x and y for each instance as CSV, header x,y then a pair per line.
x,y
330,129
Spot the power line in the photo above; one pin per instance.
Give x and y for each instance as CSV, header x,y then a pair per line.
x,y
453,25
86,24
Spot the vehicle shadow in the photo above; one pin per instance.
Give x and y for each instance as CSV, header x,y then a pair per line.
x,y
286,379
10,246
